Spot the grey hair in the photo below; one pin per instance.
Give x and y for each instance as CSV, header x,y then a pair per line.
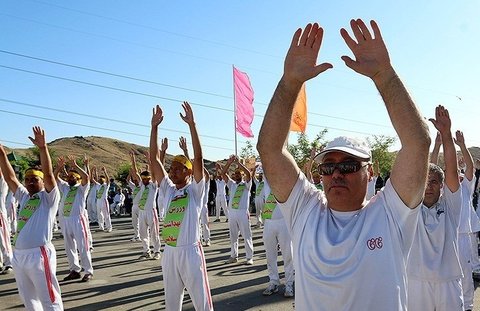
x,y
433,168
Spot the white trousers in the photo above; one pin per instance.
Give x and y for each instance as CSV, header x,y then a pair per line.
x,y
276,233
35,270
475,260
204,223
6,252
185,267
75,235
92,210
103,214
239,222
438,296
465,255
259,202
149,230
135,211
12,217
221,203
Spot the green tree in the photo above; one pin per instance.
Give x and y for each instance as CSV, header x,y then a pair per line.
x,y
122,173
301,150
380,145
248,152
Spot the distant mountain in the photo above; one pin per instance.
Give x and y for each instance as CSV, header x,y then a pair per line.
x,y
102,151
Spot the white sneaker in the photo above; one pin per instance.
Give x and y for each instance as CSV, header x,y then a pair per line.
x,y
231,260
272,288
208,243
249,262
156,256
109,230
288,291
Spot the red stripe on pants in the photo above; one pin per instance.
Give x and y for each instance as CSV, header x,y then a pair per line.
x,y
48,273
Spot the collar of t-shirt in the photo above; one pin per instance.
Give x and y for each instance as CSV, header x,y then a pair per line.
x,y
343,218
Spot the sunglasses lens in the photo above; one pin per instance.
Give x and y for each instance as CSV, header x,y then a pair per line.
x,y
343,167
348,167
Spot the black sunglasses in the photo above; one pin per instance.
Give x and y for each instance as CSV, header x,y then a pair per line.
x,y
346,167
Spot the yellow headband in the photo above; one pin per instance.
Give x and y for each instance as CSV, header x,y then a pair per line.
x,y
183,160
33,172
74,174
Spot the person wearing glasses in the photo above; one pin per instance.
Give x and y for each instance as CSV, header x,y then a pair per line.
x,y
349,253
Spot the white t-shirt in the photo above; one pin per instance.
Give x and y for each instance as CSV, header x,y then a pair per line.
x,y
371,187
79,202
220,187
358,263
205,197
244,199
465,214
3,196
119,198
39,228
190,227
151,198
434,254
98,188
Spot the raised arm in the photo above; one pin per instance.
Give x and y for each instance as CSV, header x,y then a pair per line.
x,y
436,149
163,150
158,171
183,145
38,140
443,124
104,170
225,176
467,156
300,65
409,171
134,171
74,165
7,171
197,148
60,166
246,171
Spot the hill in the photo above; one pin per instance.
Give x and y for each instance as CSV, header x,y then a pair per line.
x,y
102,151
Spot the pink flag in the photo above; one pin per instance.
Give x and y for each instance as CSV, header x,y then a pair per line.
x,y
243,103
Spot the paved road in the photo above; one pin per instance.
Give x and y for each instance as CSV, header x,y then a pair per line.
x,y
123,282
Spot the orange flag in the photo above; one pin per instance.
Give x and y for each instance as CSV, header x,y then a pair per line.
x,y
299,116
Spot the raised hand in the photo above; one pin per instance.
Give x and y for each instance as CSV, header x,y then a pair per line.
x,y
438,139
71,160
183,144
459,139
188,118
38,138
60,161
164,144
442,120
86,161
157,116
301,60
132,156
371,55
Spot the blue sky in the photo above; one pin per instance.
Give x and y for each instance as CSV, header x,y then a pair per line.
x,y
187,50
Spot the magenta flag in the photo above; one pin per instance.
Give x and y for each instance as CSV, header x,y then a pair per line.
x,y
243,103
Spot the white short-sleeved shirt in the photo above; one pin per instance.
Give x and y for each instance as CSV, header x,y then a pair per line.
x,y
190,227
467,206
79,202
351,260
92,195
371,187
39,228
244,199
150,204
434,254
98,187
3,195
220,187
205,197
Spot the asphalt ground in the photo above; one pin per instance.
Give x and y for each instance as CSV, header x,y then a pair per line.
x,y
124,282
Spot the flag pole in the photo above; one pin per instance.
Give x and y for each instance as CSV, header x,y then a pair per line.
x,y
234,111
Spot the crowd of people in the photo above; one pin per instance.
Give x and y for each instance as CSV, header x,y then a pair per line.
x,y
349,239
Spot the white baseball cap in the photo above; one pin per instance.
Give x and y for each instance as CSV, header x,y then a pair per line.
x,y
352,146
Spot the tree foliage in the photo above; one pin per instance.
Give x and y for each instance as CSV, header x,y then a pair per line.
x,y
122,173
380,145
301,150
248,152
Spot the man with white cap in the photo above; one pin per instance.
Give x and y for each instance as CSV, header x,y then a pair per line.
x,y
183,260
349,254
34,256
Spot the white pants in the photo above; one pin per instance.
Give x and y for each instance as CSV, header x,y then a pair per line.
x,y
239,222
149,230
75,234
6,252
92,210
259,202
475,260
12,218
275,232
135,211
204,223
465,255
103,214
37,283
221,203
185,267
438,296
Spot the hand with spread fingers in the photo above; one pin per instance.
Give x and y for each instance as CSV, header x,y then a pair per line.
x,y
38,138
188,117
157,116
442,120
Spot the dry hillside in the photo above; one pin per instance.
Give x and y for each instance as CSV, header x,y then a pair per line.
x,y
102,151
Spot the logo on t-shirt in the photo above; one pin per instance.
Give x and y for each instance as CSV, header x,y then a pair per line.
x,y
374,243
